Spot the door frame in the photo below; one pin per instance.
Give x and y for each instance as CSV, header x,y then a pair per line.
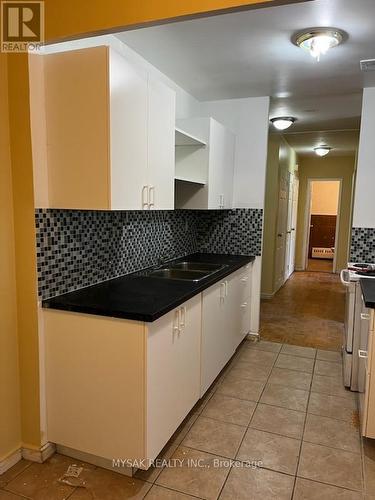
x,y
306,233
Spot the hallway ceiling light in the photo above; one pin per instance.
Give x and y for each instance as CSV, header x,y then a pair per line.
x,y
318,41
322,150
282,122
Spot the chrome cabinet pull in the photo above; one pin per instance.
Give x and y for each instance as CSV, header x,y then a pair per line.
x,y
182,318
362,354
144,197
151,196
365,316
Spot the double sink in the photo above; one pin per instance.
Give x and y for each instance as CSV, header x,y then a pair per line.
x,y
186,271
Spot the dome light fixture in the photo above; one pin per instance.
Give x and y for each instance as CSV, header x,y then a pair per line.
x,y
283,122
318,41
322,150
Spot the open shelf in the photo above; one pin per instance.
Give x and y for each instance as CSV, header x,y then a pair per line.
x,y
183,138
192,180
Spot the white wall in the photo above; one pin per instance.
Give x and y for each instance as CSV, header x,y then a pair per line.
x,y
364,202
324,197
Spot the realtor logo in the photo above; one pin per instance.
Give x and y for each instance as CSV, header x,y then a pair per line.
x,y
22,26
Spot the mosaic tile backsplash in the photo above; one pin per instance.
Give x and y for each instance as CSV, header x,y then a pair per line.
x,y
363,245
78,248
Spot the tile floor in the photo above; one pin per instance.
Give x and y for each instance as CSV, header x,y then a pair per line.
x,y
279,405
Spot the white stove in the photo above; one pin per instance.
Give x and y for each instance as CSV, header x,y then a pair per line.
x,y
353,310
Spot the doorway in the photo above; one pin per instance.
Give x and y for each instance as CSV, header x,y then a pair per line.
x,y
322,211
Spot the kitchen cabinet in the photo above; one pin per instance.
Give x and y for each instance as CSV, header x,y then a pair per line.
x,y
205,166
126,385
366,376
110,133
225,322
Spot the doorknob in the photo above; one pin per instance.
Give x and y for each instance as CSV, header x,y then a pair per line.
x,y
280,235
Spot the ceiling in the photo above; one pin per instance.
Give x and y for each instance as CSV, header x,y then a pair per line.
x,y
250,54
343,143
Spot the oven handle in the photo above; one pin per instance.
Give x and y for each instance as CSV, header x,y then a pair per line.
x,y
343,281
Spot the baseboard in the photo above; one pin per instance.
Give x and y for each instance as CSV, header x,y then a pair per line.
x,y
8,462
105,463
39,455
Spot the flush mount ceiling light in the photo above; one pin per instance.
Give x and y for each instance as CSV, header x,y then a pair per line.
x,y
318,41
322,150
282,122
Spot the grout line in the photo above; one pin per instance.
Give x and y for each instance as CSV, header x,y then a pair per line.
x,y
303,430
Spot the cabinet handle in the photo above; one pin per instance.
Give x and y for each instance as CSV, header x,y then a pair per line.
x,y
362,354
151,196
226,288
244,280
182,317
144,197
222,291
365,316
176,327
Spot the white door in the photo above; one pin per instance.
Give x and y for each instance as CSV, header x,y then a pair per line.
x,y
292,253
221,165
161,145
281,228
215,343
128,132
173,372
288,235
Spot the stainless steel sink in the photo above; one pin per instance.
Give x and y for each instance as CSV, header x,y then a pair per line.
x,y
197,266
186,271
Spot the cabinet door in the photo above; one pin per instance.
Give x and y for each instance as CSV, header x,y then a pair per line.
x,y
221,164
216,341
129,116
161,145
173,372
245,305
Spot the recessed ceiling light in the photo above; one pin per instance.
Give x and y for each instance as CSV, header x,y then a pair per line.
x,y
322,150
318,41
282,122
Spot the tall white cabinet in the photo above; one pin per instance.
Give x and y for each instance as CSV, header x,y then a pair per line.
x,y
205,167
110,133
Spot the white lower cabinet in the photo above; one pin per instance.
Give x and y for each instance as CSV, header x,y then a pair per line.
x,y
225,322
117,388
173,371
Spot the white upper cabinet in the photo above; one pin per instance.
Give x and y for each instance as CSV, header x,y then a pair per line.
x,y
110,133
204,165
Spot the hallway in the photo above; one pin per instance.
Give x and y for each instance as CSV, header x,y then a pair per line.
x,y
307,311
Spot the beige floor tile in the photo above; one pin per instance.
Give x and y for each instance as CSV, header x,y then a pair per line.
x,y
369,476
327,368
332,406
264,345
196,473
257,357
198,408
247,371
328,465
311,490
286,397
13,472
275,452
41,481
290,378
278,420
331,432
257,484
161,493
153,472
332,356
241,388
215,437
184,428
295,363
6,495
295,350
231,410
106,485
331,385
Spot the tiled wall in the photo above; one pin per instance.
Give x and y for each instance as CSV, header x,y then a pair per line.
x,y
80,248
363,245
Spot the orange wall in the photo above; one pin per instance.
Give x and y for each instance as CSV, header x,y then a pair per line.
x,y
64,19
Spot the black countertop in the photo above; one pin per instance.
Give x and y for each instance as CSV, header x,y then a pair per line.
x,y
368,291
143,298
